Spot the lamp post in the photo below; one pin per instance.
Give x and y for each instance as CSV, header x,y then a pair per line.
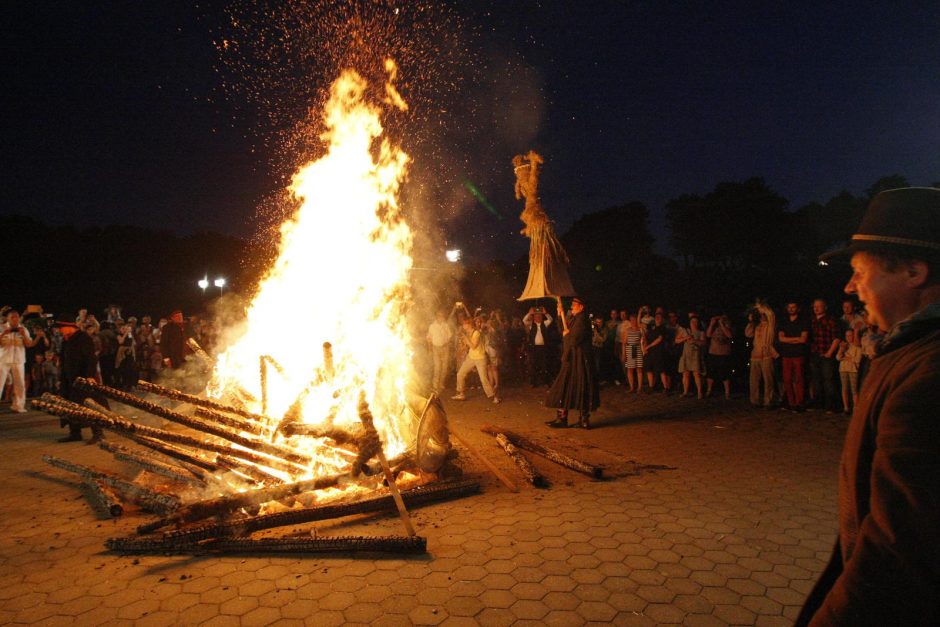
x,y
220,283
203,283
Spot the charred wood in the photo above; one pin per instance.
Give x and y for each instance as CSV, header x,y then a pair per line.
x,y
550,454
146,462
104,498
222,505
339,544
413,498
198,401
249,470
238,424
157,502
198,425
528,470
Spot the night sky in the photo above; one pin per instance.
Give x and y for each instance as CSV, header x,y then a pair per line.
x,y
115,112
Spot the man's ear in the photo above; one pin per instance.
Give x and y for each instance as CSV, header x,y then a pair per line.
x,y
917,273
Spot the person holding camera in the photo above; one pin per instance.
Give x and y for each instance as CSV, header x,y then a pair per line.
x,y
14,340
537,322
476,358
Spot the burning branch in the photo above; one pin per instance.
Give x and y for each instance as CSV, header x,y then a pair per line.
x,y
222,505
163,412
124,454
104,498
198,401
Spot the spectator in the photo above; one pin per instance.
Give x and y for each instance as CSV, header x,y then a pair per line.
x,y
719,334
439,338
654,353
172,341
494,341
50,372
537,322
870,340
761,325
822,351
851,319
849,356
793,339
476,358
36,380
632,358
692,357
14,340
125,359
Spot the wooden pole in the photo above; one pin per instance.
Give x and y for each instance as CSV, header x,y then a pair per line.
x,y
550,454
483,460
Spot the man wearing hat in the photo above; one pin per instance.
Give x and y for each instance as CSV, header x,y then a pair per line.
x,y
885,569
575,387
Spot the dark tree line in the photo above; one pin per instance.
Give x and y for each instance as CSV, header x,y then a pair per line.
x,y
737,242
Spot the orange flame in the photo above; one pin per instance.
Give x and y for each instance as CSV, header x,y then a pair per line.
x,y
341,276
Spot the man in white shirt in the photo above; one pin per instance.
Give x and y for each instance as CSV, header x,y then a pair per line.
x,y
14,340
440,336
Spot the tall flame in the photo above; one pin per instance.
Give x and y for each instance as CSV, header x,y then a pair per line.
x,y
341,277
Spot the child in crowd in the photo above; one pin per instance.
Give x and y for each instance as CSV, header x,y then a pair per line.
x,y
50,372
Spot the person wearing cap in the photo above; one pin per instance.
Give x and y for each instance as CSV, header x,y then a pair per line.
x,y
885,569
575,387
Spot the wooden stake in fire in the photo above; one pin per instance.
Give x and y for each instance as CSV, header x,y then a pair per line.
x,y
263,369
365,415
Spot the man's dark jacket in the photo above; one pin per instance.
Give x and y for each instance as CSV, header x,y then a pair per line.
x,y
885,569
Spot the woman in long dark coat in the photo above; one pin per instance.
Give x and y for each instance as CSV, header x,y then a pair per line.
x,y
576,386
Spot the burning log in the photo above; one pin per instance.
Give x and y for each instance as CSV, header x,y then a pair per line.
x,y
340,544
152,500
529,471
370,439
559,458
133,430
198,401
222,505
124,454
249,470
340,436
263,371
163,412
253,428
197,350
328,371
413,498
190,462
105,498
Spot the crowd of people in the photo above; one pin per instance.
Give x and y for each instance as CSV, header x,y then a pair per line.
x,y
34,348
785,359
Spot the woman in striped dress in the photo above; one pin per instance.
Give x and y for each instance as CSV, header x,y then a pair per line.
x,y
633,354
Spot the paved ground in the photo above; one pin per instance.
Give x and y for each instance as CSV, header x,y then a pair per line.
x,y
734,532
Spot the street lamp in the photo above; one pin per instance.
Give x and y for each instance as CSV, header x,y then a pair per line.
x,y
203,283
220,283
453,256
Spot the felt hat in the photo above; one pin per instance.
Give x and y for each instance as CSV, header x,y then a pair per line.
x,y
906,220
577,299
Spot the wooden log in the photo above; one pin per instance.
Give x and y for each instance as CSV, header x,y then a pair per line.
x,y
198,351
199,401
340,544
550,454
157,502
506,481
223,505
113,422
368,425
146,462
263,372
528,471
340,436
192,423
239,424
249,470
413,498
105,498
